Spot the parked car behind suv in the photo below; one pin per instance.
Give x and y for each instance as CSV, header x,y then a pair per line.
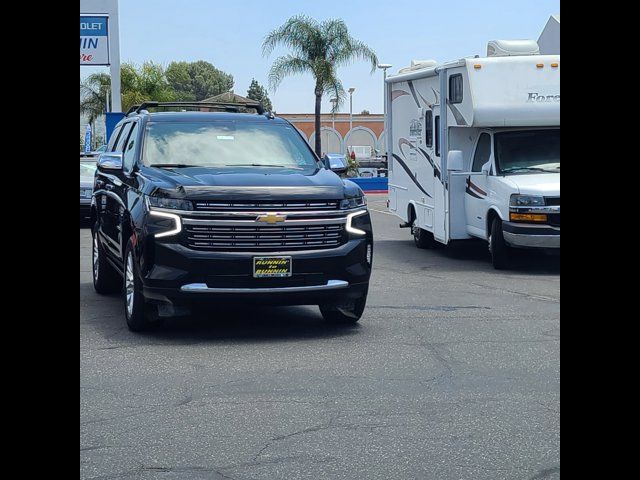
x,y
225,206
88,164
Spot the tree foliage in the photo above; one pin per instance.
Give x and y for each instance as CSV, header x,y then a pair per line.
x,y
197,80
259,93
138,84
318,48
94,91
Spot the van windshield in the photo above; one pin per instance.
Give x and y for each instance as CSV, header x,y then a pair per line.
x,y
527,151
227,146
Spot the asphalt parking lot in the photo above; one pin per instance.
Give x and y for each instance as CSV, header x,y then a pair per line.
x,y
452,373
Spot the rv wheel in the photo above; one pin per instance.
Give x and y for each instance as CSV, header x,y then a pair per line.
x,y
500,251
423,238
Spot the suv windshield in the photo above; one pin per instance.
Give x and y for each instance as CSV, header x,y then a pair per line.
x,y
227,146
528,151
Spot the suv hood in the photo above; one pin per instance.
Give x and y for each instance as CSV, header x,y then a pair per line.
x,y
202,183
536,184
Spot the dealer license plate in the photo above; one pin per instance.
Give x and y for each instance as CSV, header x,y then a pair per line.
x,y
271,267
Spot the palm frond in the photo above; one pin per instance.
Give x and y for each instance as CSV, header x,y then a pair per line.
x,y
285,66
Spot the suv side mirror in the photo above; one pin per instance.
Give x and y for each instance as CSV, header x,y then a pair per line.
x,y
110,161
335,167
455,161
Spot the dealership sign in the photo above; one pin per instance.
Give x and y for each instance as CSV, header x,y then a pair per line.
x,y
94,40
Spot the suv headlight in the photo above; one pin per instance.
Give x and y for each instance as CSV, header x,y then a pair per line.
x,y
165,224
172,203
526,201
353,202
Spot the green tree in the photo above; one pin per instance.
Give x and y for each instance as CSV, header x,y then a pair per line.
x,y
197,80
259,93
94,91
319,48
147,82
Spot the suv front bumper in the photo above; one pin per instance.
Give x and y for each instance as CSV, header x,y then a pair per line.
x,y
178,275
527,235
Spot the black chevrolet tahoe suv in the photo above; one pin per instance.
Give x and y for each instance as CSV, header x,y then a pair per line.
x,y
199,204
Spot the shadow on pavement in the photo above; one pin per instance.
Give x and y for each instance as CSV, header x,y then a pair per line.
x,y
468,254
218,323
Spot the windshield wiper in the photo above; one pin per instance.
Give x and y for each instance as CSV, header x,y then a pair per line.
x,y
535,169
256,165
172,165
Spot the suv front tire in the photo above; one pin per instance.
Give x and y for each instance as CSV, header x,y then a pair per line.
x,y
140,315
345,314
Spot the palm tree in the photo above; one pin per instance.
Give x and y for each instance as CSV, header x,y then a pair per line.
x,y
318,48
94,92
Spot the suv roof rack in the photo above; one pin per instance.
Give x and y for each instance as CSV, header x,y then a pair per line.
x,y
216,106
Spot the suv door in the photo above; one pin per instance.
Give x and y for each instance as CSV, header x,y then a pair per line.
x,y
128,182
476,191
111,202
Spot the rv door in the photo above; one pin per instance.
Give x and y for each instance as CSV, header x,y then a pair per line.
x,y
440,230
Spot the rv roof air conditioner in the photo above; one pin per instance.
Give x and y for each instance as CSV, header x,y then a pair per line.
x,y
418,64
509,48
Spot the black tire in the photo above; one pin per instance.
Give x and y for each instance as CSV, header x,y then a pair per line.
x,y
423,238
500,251
105,278
139,314
345,314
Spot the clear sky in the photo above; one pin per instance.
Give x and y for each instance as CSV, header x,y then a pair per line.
x,y
229,34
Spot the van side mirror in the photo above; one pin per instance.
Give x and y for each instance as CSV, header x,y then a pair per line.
x,y
486,168
455,162
110,161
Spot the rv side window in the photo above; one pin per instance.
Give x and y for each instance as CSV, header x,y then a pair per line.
x,y
455,88
483,152
437,128
428,128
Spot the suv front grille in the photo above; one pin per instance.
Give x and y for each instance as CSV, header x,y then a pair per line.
x,y
264,238
264,206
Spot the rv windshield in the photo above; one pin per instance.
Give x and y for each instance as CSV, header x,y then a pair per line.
x,y
528,151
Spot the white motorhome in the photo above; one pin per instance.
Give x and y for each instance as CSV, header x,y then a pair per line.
x,y
490,167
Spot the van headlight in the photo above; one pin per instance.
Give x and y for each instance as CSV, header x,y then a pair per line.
x,y
526,200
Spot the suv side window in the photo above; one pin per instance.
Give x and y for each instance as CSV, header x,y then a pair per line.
x,y
129,152
113,138
483,152
124,133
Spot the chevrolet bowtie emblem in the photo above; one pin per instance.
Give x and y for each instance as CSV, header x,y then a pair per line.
x,y
271,218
